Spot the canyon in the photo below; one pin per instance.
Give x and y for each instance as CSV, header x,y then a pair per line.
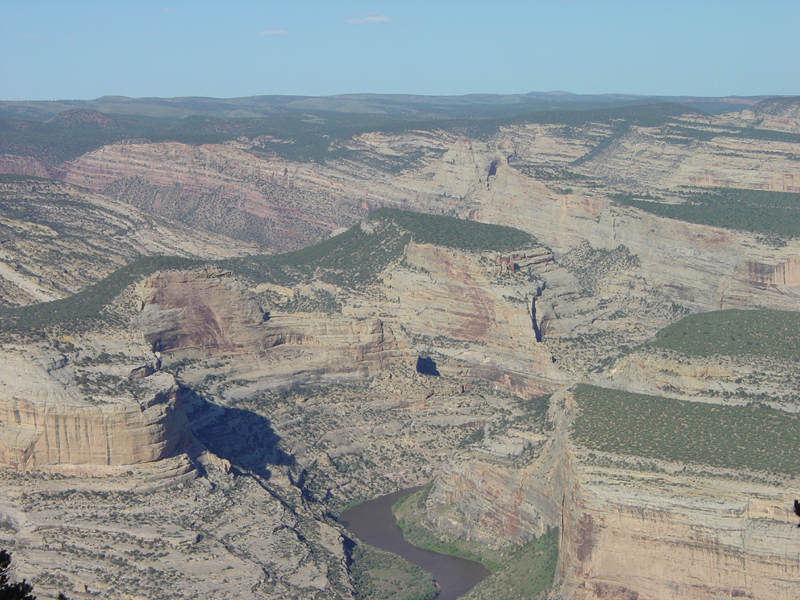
x,y
208,425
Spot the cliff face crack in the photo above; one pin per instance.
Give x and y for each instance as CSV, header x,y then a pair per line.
x,y
537,332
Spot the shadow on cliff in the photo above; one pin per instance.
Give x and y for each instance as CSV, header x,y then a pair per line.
x,y
243,438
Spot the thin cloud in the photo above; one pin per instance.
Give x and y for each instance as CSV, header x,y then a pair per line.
x,y
165,10
29,36
272,32
369,19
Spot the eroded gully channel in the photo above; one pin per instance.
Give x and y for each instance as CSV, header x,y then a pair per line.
x,y
374,523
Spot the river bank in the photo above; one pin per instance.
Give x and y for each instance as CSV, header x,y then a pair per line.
x,y
374,523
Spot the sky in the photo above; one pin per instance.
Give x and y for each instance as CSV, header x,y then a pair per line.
x,y
84,49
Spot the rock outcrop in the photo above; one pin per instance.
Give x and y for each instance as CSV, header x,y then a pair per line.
x,y
51,421
56,239
500,505
224,189
55,435
484,326
629,534
471,312
210,313
212,536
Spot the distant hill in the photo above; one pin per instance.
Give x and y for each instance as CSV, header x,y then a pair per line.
x,y
313,135
784,106
470,105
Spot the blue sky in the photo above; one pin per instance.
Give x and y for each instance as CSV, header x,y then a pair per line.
x,y
83,49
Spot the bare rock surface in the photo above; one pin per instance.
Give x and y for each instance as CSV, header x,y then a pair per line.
x,y
77,408
55,239
652,528
222,188
215,537
109,490
209,312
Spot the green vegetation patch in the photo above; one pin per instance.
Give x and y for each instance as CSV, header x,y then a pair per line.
x,y
358,256
410,514
9,178
308,135
461,234
351,260
87,305
527,575
734,332
755,437
766,213
594,267
379,575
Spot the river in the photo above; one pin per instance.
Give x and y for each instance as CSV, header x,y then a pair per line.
x,y
374,523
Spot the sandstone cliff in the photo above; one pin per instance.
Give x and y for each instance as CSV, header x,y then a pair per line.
x,y
222,189
667,530
531,186
64,412
106,488
474,314
609,277
210,313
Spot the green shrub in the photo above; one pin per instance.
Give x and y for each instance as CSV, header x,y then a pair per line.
x,y
767,213
753,437
87,305
376,574
528,574
461,234
353,259
734,332
356,258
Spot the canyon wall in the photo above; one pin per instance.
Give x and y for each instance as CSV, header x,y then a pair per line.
x,y
50,421
209,312
223,189
228,189
40,435
474,313
630,534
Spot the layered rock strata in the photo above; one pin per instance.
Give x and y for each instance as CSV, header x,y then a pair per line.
x,y
58,411
214,537
631,534
210,313
221,188
56,238
225,186
474,314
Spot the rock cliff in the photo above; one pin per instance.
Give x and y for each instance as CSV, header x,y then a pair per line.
x,y
680,532
532,185
474,314
628,535
224,189
57,238
51,420
210,313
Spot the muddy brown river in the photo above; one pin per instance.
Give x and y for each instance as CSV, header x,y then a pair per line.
x,y
374,523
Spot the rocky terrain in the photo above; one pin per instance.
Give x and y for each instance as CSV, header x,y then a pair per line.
x,y
58,238
205,427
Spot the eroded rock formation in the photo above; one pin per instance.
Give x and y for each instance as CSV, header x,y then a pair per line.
x,y
629,534
210,312
51,420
